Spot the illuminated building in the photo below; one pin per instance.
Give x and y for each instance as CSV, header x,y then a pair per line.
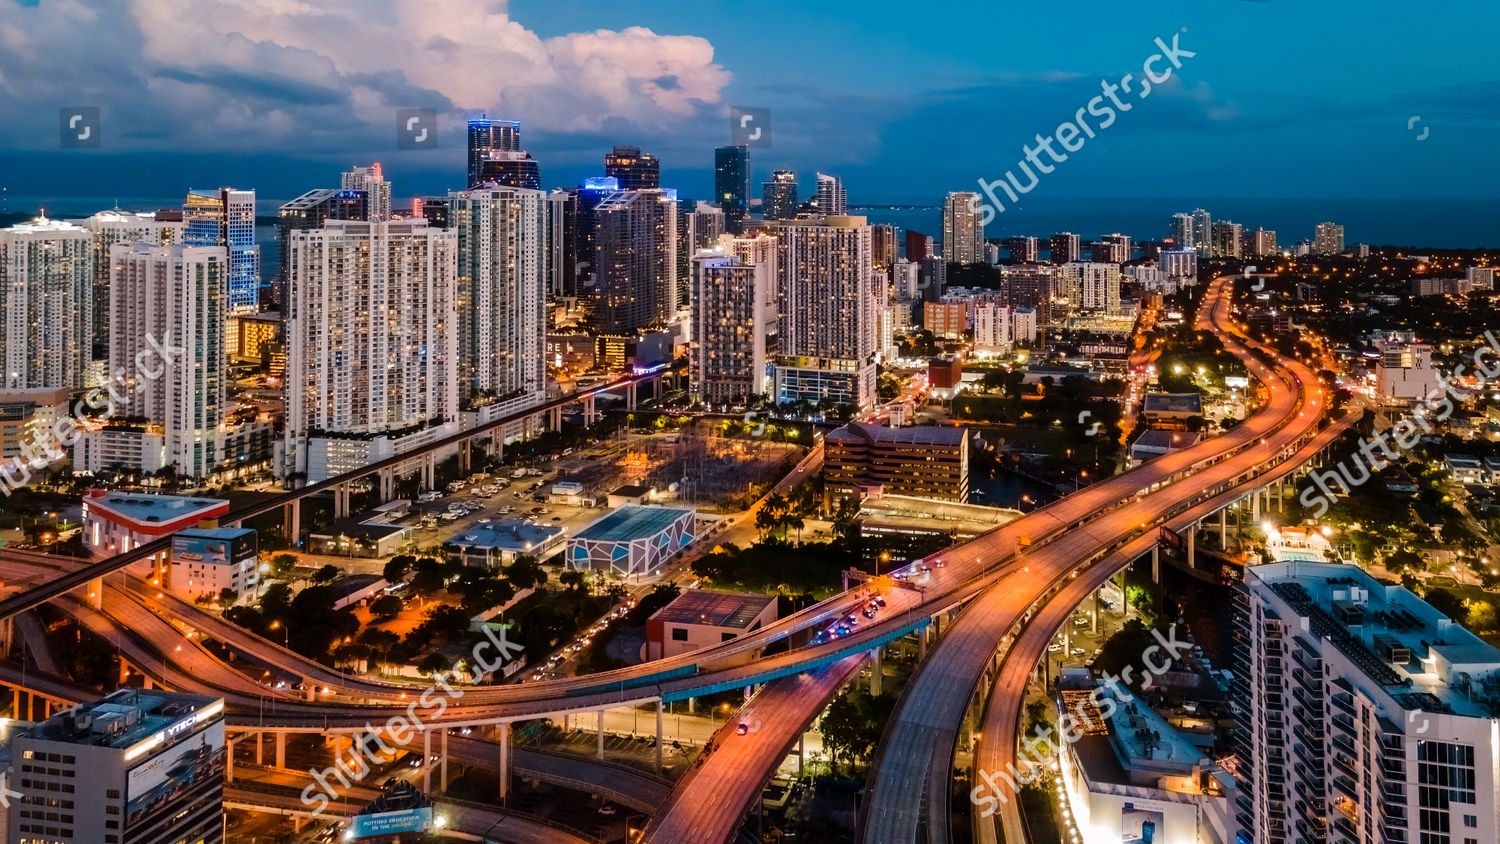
x,y
226,217
733,321
487,135
635,260
46,296
831,200
963,229
1328,239
779,196
922,462
634,169
732,185
1065,248
116,226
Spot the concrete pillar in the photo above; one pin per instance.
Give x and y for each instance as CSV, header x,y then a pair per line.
x,y
281,750
1156,565
96,595
443,763
800,737
466,457
229,759
15,702
875,677
429,471
1192,546
1094,617
292,520
692,705
427,761
1224,529
590,411
556,415
340,501
260,747
296,824
599,753
31,706
658,735
504,772
630,396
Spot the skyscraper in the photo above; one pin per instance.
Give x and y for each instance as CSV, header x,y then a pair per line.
x,y
143,767
1112,248
109,228
1203,231
919,246
1329,239
828,322
634,169
371,182
503,269
1182,231
1065,248
831,200
963,229
699,226
635,259
779,196
510,169
372,353
1228,239
175,296
732,185
1264,243
1092,287
226,217
486,135
310,211
1023,249
46,305
733,321
883,246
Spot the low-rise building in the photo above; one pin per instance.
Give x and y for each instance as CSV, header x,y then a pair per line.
x,y
374,534
117,522
634,541
27,418
700,619
1152,444
499,543
205,562
1172,408
924,462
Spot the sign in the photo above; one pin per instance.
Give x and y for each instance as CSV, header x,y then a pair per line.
x,y
391,823
193,549
159,783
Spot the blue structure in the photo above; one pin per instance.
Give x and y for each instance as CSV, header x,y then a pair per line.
x,y
633,540
226,217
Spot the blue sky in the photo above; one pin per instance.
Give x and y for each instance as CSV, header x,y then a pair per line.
x,y
904,100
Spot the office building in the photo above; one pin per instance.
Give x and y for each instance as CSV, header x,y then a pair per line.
x,y
1404,372
206,562
1112,249
1228,239
828,331
1263,243
733,321
1181,231
134,767
109,228
699,618
778,197
1480,278
174,297
371,182
635,170
1329,239
732,185
503,270
1366,714
1203,232
372,353
46,305
883,247
922,462
963,229
1065,248
635,261
488,135
510,169
831,200
226,217
1023,249
1092,287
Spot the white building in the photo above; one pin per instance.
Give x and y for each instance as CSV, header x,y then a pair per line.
x,y
1329,239
1092,287
1404,373
1369,716
963,228
206,561
1180,265
994,327
831,200
125,227
829,292
634,540
1024,326
117,522
1480,278
46,305
733,321
372,353
377,190
699,619
145,767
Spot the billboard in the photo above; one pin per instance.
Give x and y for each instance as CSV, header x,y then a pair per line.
x,y
157,783
391,823
194,549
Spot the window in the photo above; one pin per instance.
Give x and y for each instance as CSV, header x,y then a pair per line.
x,y
725,637
679,634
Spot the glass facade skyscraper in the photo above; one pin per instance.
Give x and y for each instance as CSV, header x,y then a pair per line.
x,y
226,217
732,185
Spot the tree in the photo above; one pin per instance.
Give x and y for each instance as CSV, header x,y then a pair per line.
x,y
227,597
397,567
283,563
387,607
1448,604
434,664
525,573
573,579
327,574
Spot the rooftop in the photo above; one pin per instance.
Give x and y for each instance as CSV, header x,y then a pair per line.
x,y
216,533
717,609
125,718
153,509
1165,439
1174,403
633,521
934,435
1423,659
506,535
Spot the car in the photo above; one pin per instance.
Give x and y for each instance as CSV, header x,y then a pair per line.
x,y
869,612
938,562
879,601
743,729
1077,652
1081,621
1054,647
607,810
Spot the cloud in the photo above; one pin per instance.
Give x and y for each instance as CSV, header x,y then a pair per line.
x,y
242,75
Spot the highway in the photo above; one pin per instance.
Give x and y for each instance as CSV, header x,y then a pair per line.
x,y
908,791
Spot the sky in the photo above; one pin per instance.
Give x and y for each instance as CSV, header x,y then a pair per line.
x,y
905,101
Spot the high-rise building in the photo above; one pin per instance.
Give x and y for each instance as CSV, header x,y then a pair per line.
x,y
831,200
312,210
919,247
634,169
488,135
963,229
733,321
1180,265
1264,243
1023,249
226,217
993,327
1329,239
1203,232
503,270
1404,372
372,352
109,228
635,260
1365,714
1092,287
1228,239
699,226
829,293
1065,248
46,305
174,297
778,197
1112,248
883,246
1480,278
510,169
1182,231
138,767
371,182
732,185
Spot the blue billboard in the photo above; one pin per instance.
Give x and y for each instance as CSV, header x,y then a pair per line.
x,y
392,823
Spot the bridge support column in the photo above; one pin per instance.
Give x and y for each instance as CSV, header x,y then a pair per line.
x,y
1094,616
466,457
429,472
1255,506
1224,530
229,757
15,703
1156,565
427,761
1192,542
599,752
630,390
590,411
443,762
6,633
387,486
555,414
260,747
341,501
504,772
96,594
692,706
875,677
281,750
658,735
800,742
292,521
